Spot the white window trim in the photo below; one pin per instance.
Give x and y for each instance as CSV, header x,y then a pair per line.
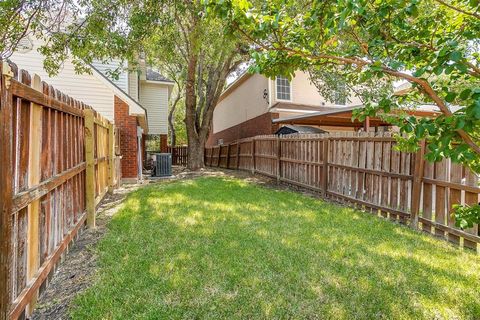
x,y
276,92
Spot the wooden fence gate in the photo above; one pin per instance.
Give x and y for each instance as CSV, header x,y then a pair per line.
x,y
363,170
56,163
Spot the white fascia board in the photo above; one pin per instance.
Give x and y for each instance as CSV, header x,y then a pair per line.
x,y
293,110
165,83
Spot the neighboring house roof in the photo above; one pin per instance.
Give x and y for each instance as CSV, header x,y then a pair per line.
x,y
292,129
136,108
153,75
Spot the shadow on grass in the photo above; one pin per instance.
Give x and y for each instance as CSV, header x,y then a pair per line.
x,y
222,248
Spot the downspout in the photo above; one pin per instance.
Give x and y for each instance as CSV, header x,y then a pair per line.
x,y
139,154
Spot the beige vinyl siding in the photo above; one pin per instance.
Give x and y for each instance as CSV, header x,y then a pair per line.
x,y
304,92
154,98
133,84
113,65
242,104
84,87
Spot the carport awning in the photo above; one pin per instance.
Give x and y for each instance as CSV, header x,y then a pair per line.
x,y
341,117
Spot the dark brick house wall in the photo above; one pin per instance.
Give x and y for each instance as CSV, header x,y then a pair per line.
x,y
256,126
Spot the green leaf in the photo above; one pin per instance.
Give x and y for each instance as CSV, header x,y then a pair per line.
x,y
450,97
419,131
461,67
455,56
465,94
438,70
460,124
449,69
420,72
442,52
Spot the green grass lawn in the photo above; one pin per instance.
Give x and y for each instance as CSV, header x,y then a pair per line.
x,y
221,248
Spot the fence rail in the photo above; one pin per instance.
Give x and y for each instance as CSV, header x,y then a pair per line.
x,y
56,164
363,170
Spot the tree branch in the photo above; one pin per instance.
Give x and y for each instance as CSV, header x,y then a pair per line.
x,y
473,14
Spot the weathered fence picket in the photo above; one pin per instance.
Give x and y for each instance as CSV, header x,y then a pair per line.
x,y
364,170
54,158
179,155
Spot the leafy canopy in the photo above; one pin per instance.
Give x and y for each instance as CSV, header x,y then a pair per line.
x,y
21,18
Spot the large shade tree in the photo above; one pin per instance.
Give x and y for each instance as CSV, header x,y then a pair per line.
x,y
124,29
432,44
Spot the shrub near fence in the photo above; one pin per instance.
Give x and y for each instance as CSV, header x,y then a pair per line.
x,y
363,170
56,164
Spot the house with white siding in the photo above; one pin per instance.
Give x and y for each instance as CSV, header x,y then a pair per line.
x,y
135,100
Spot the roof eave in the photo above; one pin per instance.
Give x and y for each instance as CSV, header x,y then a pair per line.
x,y
160,82
120,93
142,120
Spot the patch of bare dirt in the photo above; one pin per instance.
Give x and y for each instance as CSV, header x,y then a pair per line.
x,y
75,273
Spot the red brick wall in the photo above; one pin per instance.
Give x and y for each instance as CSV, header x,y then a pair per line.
x,y
163,143
127,125
253,127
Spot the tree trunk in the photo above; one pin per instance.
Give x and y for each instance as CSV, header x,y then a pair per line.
x,y
196,150
199,105
173,135
171,116
195,155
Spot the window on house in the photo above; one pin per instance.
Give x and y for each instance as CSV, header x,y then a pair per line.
x,y
283,89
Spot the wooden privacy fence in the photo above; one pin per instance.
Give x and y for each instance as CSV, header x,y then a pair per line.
x,y
56,164
179,155
363,170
